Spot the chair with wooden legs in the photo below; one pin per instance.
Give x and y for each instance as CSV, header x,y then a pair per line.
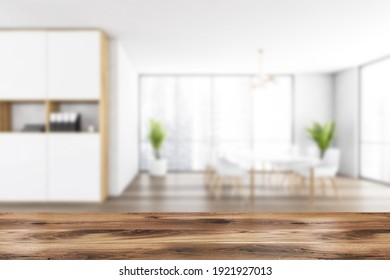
x,y
325,171
227,173
286,170
208,174
210,170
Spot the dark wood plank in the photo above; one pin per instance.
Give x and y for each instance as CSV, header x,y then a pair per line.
x,y
195,236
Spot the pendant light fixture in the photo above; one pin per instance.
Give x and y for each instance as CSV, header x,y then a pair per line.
x,y
261,80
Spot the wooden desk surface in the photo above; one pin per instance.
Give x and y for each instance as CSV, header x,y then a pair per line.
x,y
195,236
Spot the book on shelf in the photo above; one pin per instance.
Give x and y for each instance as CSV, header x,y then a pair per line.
x,y
67,122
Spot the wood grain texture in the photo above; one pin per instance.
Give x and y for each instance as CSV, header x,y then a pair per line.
x,y
186,192
104,115
51,107
5,117
195,236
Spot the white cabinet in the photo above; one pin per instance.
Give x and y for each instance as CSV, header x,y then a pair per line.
x,y
74,167
74,65
61,167
57,71
58,65
23,167
23,65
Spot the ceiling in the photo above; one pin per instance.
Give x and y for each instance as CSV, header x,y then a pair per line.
x,y
222,36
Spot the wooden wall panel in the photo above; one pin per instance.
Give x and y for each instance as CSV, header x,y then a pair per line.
x,y
51,107
5,117
104,116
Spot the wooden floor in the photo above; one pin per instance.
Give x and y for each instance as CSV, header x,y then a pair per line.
x,y
186,192
195,236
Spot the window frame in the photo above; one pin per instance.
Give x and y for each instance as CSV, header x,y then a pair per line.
x,y
212,77
361,68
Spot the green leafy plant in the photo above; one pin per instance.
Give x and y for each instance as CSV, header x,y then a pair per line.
x,y
322,135
156,137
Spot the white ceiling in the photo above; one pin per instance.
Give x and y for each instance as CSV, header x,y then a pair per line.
x,y
222,36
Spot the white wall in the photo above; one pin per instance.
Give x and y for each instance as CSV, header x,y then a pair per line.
x,y
313,101
346,89
123,120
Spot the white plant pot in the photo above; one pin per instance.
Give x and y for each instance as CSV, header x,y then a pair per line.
x,y
158,167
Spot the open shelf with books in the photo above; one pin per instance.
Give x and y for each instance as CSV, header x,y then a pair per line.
x,y
40,116
72,116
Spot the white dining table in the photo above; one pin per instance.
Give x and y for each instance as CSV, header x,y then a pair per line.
x,y
253,159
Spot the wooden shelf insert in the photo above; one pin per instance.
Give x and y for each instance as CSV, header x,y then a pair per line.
x,y
5,117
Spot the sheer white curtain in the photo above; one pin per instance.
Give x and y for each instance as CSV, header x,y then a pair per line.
x,y
232,113
206,112
375,121
158,102
272,125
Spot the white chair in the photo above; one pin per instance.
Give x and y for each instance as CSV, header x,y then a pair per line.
x,y
325,170
227,173
211,165
287,169
311,151
210,168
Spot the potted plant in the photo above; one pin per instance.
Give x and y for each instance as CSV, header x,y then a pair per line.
x,y
322,135
158,165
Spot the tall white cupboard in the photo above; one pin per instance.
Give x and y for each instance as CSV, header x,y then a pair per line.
x,y
43,72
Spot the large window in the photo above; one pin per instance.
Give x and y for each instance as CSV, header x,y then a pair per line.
x,y
375,121
206,112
